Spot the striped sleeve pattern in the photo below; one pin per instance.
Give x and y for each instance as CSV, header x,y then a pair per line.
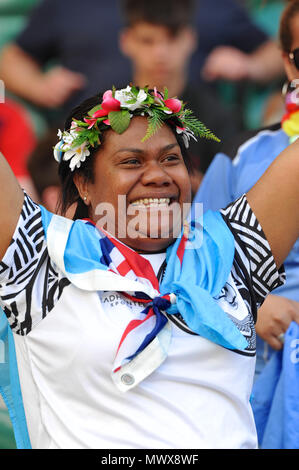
x,y
253,249
29,283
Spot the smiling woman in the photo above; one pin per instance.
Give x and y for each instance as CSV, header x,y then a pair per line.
x,y
151,172
128,341
147,177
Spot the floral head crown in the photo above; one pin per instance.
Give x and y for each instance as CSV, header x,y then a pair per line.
x,y
116,110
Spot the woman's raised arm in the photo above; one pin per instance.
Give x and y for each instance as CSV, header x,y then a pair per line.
x,y
11,200
275,201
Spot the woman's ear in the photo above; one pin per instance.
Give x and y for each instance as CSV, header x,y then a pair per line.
x,y
81,184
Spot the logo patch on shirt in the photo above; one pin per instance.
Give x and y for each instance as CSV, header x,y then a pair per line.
x,y
233,305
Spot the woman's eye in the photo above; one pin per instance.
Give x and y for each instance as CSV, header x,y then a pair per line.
x,y
131,161
171,158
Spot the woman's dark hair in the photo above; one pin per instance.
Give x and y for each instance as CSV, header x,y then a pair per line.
x,y
69,193
285,29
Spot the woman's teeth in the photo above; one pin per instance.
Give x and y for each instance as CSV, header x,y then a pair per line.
x,y
152,202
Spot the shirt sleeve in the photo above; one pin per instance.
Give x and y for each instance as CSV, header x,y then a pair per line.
x,y
252,249
244,33
30,285
229,24
40,37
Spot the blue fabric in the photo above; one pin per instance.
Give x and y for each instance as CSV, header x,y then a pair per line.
x,y
273,391
10,386
275,400
206,267
226,180
204,272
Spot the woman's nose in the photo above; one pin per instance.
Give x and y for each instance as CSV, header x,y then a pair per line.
x,y
155,174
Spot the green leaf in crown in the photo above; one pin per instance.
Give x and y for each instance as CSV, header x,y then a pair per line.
x,y
155,121
119,120
196,126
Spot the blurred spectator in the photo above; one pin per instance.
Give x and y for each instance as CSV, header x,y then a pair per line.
x,y
230,63
228,25
65,53
250,78
160,39
275,401
82,63
13,16
17,140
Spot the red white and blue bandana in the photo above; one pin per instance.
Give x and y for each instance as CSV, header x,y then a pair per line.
x,y
195,273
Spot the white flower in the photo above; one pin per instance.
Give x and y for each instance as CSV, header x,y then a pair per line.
x,y
123,95
126,94
186,134
142,95
68,137
76,156
59,134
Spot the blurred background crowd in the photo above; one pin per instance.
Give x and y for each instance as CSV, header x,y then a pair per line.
x,y
222,57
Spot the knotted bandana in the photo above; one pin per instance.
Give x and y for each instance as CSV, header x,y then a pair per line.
x,y
198,266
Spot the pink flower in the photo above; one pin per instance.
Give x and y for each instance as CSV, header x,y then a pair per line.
x,y
173,104
100,113
158,97
107,95
109,103
97,114
91,121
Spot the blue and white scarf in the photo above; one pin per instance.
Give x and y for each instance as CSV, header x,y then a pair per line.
x,y
196,271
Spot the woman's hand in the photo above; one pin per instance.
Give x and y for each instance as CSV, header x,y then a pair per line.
x,y
274,318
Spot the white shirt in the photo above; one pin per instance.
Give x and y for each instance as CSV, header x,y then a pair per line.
x,y
198,397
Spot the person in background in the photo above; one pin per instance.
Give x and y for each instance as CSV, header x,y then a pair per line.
x,y
250,79
49,65
227,179
160,38
51,71
48,37
17,141
227,29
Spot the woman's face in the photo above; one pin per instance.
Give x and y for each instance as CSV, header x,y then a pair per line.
x,y
139,188
291,71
